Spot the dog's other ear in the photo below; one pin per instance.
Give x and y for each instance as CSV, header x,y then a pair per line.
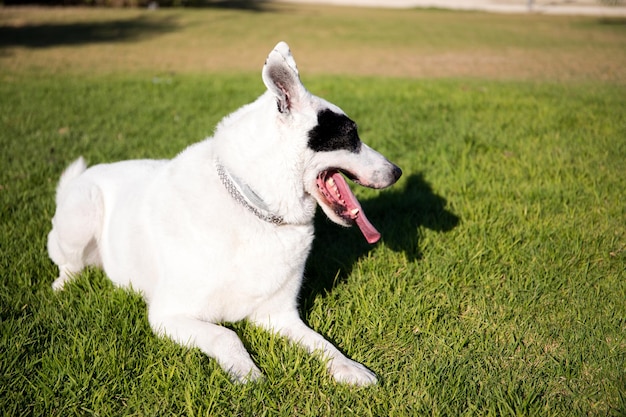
x,y
280,75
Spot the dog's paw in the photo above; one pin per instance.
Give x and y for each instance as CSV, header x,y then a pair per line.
x,y
244,374
59,283
66,274
350,372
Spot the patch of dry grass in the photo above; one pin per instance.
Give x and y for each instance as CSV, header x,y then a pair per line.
x,y
329,40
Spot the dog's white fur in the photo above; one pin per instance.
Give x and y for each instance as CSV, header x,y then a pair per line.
x,y
171,230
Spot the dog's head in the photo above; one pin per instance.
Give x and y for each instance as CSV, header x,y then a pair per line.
x,y
331,145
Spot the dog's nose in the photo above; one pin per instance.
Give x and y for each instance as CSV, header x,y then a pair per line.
x,y
397,173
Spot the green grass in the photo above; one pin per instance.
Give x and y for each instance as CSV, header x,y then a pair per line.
x,y
499,287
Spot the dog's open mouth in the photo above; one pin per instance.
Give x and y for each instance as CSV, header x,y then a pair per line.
x,y
344,203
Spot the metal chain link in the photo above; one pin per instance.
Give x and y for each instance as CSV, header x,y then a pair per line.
x,y
234,191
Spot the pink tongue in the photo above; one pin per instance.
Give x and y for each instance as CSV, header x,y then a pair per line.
x,y
369,231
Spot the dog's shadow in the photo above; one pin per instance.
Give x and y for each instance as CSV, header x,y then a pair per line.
x,y
398,215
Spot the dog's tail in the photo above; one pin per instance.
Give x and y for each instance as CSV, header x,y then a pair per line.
x,y
72,171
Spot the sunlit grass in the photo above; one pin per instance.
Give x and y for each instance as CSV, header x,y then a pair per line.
x,y
498,288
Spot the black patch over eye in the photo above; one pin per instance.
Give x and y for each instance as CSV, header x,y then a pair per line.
x,y
334,132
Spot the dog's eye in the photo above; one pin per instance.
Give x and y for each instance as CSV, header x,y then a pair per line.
x,y
334,132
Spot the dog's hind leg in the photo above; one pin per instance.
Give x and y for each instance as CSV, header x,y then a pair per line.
x,y
72,242
214,340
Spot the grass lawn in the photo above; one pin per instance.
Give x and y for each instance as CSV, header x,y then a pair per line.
x,y
499,287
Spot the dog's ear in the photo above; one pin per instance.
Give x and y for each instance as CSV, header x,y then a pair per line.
x,y
280,75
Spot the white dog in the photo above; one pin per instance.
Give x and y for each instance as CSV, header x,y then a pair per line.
x,y
221,233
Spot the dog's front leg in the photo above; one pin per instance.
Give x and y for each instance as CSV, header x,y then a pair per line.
x,y
214,340
340,367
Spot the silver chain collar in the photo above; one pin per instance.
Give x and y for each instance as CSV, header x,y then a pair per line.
x,y
245,196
